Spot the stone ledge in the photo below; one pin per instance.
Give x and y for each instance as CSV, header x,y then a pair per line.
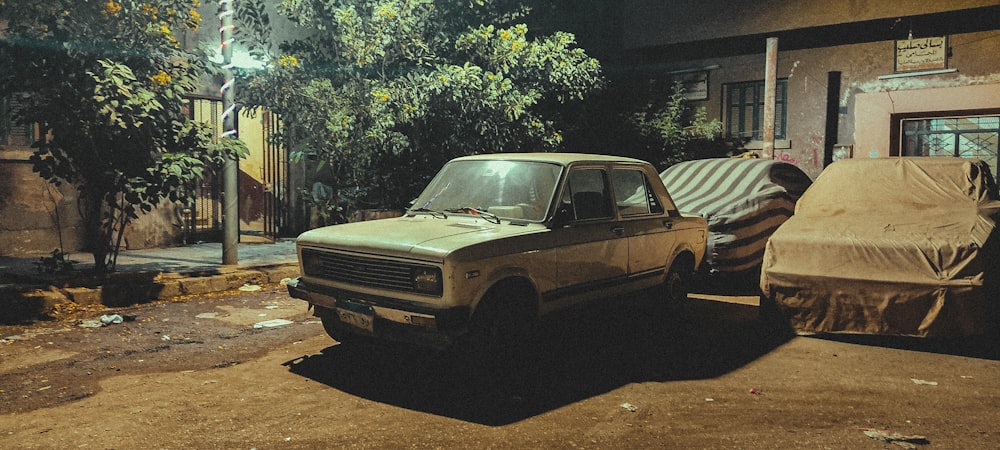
x,y
20,303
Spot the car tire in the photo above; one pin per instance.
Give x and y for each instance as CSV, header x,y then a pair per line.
x,y
499,331
678,283
330,324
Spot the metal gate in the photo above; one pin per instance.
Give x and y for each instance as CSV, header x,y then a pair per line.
x,y
274,176
263,208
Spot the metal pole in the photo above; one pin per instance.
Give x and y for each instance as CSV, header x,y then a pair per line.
x,y
770,83
230,171
830,136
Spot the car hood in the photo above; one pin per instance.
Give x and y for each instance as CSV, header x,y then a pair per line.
x,y
421,237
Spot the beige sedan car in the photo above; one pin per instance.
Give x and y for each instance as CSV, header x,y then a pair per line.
x,y
495,242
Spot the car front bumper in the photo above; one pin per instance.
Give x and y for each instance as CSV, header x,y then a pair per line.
x,y
384,317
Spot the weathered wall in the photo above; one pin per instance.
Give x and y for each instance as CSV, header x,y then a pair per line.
x,y
33,213
37,217
866,102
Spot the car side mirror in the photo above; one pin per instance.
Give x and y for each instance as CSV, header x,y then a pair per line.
x,y
562,217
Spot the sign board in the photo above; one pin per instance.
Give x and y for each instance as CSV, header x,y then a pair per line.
x,y
922,54
695,84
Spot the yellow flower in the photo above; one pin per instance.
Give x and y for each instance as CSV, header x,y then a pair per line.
x,y
112,8
505,35
193,21
161,79
288,60
164,29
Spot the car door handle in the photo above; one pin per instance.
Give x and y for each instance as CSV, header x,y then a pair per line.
x,y
669,224
618,231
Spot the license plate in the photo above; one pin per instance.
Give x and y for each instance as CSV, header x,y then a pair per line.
x,y
357,315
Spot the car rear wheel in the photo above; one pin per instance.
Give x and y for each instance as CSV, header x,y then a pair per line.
x,y
678,283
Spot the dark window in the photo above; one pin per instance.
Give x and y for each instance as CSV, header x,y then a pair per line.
x,y
967,137
587,194
12,133
744,110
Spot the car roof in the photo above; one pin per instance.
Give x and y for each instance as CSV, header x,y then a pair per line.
x,y
555,158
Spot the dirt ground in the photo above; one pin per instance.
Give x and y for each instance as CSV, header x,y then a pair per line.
x,y
626,374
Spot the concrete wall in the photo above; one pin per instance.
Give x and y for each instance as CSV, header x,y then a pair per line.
x,y
37,217
33,213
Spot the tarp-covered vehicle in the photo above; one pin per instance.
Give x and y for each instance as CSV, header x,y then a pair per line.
x,y
892,246
743,200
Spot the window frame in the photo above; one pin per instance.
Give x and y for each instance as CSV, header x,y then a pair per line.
x,y
898,138
735,127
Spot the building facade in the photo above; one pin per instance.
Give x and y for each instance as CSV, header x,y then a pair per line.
x,y
854,78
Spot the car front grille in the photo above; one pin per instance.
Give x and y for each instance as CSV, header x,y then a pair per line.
x,y
360,269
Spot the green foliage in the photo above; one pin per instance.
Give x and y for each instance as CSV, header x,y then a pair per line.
x,y
677,132
106,81
384,92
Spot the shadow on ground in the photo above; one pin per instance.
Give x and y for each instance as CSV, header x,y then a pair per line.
x,y
980,347
578,355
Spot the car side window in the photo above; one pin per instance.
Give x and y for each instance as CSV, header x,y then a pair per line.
x,y
634,195
587,194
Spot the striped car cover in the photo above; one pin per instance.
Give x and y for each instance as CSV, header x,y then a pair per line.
x,y
743,200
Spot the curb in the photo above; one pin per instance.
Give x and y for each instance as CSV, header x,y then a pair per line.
x,y
27,302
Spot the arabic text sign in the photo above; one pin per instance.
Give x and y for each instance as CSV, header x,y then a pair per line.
x,y
921,54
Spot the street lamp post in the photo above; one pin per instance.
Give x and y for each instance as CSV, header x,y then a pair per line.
x,y
230,172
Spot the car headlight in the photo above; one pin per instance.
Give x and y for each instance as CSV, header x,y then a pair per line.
x,y
426,280
312,263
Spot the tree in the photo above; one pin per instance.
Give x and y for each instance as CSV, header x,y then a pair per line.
x,y
675,132
105,81
383,92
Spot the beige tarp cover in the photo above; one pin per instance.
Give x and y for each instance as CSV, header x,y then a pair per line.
x,y
895,246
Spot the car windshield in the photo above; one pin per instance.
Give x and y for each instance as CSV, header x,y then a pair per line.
x,y
515,190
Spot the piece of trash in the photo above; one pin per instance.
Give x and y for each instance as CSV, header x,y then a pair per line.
x,y
207,315
91,324
44,388
629,407
284,281
271,307
272,323
165,338
924,382
895,438
709,399
756,391
249,288
111,319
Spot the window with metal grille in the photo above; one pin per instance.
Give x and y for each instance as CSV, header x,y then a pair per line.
x,y
967,137
744,109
